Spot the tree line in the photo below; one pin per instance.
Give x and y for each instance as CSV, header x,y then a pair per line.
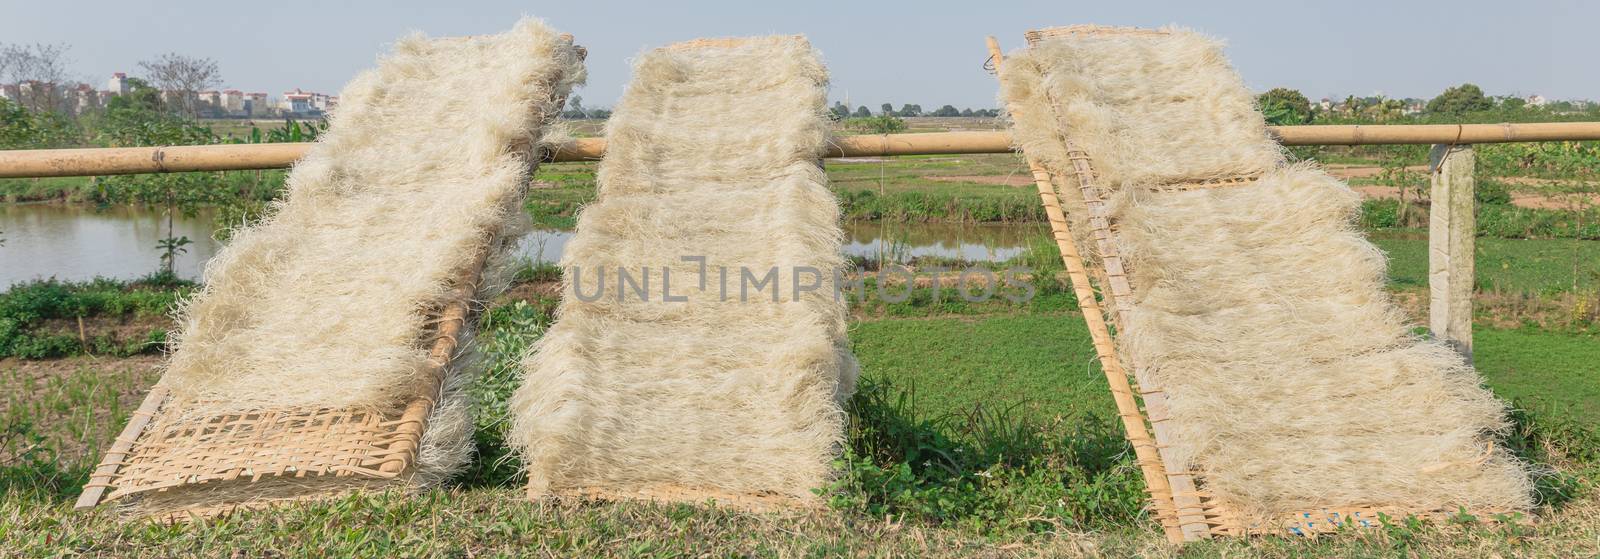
x,y
1463,103
840,111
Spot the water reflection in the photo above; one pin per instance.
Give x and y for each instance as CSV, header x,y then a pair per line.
x,y
78,243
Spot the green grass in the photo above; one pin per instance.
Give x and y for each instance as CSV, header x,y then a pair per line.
x,y
1540,266
973,432
1551,373
74,189
1041,363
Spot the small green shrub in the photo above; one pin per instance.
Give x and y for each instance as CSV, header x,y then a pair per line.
x,y
26,308
986,470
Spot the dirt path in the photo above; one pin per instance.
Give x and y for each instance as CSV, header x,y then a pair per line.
x,y
1003,180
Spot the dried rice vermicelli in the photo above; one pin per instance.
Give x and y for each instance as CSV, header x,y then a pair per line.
x,y
1293,381
294,366
730,393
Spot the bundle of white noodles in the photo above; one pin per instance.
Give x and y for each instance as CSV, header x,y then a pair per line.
x,y
327,303
1294,382
702,382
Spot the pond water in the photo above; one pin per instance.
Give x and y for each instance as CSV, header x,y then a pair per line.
x,y
80,243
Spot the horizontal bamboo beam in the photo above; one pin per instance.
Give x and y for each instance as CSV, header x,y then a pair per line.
x,y
1448,134
130,161
238,157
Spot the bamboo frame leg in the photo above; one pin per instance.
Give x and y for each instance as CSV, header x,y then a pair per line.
x,y
1146,450
100,481
1144,446
414,421
1185,493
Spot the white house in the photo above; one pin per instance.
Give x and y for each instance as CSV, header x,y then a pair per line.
x,y
118,84
297,102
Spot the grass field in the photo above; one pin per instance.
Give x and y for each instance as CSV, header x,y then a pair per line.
x,y
979,429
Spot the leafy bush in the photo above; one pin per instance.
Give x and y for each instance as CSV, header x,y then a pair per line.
x,y
868,205
1490,191
26,308
1380,214
881,124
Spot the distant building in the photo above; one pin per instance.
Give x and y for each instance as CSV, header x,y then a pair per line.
x,y
297,102
1325,104
211,99
86,98
9,92
118,84
172,98
1536,101
256,104
231,102
324,102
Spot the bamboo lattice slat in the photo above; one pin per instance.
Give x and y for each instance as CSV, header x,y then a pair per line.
x,y
164,449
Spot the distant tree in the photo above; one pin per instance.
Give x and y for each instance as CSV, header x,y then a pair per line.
x,y
1285,106
24,129
139,118
947,110
574,108
43,65
1352,104
967,112
909,110
1385,109
839,111
1464,98
1513,103
185,77
862,112
886,109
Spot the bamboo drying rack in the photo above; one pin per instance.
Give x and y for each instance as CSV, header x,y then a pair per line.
x,y
197,467
1178,499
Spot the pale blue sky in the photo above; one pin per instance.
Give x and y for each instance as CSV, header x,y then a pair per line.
x,y
928,53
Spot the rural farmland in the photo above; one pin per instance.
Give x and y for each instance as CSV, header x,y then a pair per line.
x,y
1109,342
972,431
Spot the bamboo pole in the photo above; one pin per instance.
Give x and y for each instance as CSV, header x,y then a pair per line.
x,y
452,324
1188,512
100,481
1355,135
1146,453
238,157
